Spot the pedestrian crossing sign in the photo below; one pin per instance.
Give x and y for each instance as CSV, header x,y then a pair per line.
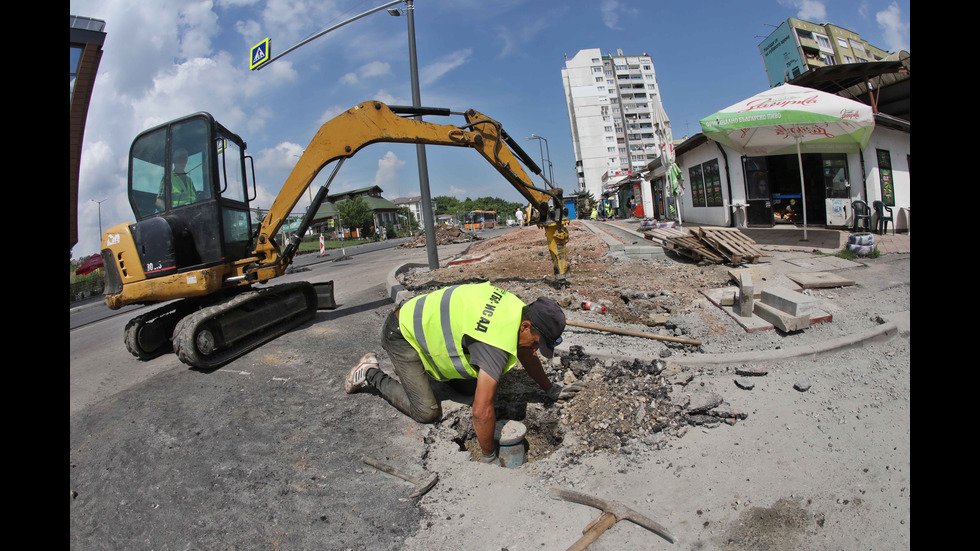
x,y
261,53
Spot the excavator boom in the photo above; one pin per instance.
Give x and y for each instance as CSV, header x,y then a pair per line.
x,y
372,122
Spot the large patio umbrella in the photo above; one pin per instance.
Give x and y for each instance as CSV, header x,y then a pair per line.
x,y
93,263
661,125
792,119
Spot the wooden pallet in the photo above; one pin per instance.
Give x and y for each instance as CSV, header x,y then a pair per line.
x,y
661,234
691,246
735,246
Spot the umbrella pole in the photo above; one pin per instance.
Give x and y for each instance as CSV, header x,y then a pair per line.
x,y
799,158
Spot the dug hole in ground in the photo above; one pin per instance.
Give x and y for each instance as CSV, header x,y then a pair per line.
x,y
807,452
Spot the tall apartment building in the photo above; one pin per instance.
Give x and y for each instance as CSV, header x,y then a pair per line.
x,y
797,46
611,103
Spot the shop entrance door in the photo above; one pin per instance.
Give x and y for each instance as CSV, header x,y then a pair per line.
x,y
757,191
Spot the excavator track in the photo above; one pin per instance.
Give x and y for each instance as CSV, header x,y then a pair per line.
x,y
148,335
216,335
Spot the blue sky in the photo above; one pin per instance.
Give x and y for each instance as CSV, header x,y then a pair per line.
x,y
164,59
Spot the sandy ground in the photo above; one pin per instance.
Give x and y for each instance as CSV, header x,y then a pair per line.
x,y
814,453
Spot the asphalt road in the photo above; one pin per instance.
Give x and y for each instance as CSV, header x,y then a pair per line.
x,y
262,453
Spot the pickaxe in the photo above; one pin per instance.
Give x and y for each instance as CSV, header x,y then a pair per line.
x,y
612,513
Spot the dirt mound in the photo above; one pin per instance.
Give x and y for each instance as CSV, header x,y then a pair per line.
x,y
651,293
445,235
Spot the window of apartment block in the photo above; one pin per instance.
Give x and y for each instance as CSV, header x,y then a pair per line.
x,y
822,41
858,47
706,185
842,42
597,69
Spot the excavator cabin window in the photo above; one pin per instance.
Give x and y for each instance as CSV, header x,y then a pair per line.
x,y
169,168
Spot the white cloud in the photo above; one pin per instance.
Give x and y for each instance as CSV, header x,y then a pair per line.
x,y
281,157
375,69
387,175
292,20
456,192
897,33
197,25
608,11
366,71
515,38
388,99
810,10
435,70
332,112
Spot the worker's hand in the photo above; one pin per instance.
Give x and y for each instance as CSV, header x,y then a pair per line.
x,y
558,392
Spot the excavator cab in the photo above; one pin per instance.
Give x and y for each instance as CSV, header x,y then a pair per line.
x,y
188,189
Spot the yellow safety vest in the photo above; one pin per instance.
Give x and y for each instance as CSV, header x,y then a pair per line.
x,y
434,324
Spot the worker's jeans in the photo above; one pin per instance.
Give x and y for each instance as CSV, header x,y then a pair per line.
x,y
413,395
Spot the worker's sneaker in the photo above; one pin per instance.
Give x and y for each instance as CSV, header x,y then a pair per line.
x,y
355,380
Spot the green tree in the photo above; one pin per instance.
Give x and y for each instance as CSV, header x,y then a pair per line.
x,y
446,204
411,223
355,213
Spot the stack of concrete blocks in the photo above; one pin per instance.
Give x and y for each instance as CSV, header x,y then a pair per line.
x,y
787,310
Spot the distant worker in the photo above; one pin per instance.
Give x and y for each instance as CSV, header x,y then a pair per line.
x,y
520,217
181,186
467,336
595,212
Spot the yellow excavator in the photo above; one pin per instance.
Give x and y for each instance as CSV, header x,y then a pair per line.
x,y
193,239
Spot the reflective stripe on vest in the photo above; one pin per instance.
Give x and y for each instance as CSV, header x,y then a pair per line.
x,y
494,314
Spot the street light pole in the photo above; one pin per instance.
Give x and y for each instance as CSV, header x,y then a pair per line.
x,y
100,214
427,214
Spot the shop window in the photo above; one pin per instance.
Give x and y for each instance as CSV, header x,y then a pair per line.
x,y
706,185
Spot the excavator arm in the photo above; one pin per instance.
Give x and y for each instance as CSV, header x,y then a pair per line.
x,y
372,122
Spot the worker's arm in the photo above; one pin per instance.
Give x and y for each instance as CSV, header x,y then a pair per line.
x,y
532,364
484,417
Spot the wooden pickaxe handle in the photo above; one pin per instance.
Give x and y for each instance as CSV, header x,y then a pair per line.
x,y
630,333
592,532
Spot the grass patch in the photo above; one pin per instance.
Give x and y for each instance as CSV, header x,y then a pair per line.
x,y
848,254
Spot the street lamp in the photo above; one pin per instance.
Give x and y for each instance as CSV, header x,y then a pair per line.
x,y
551,172
427,214
100,214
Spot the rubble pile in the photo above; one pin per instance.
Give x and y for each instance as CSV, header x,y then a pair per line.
x,y
445,235
632,406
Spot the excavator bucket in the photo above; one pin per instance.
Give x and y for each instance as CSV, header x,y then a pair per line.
x,y
324,296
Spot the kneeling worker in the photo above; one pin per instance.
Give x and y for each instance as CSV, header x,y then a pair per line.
x,y
463,334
